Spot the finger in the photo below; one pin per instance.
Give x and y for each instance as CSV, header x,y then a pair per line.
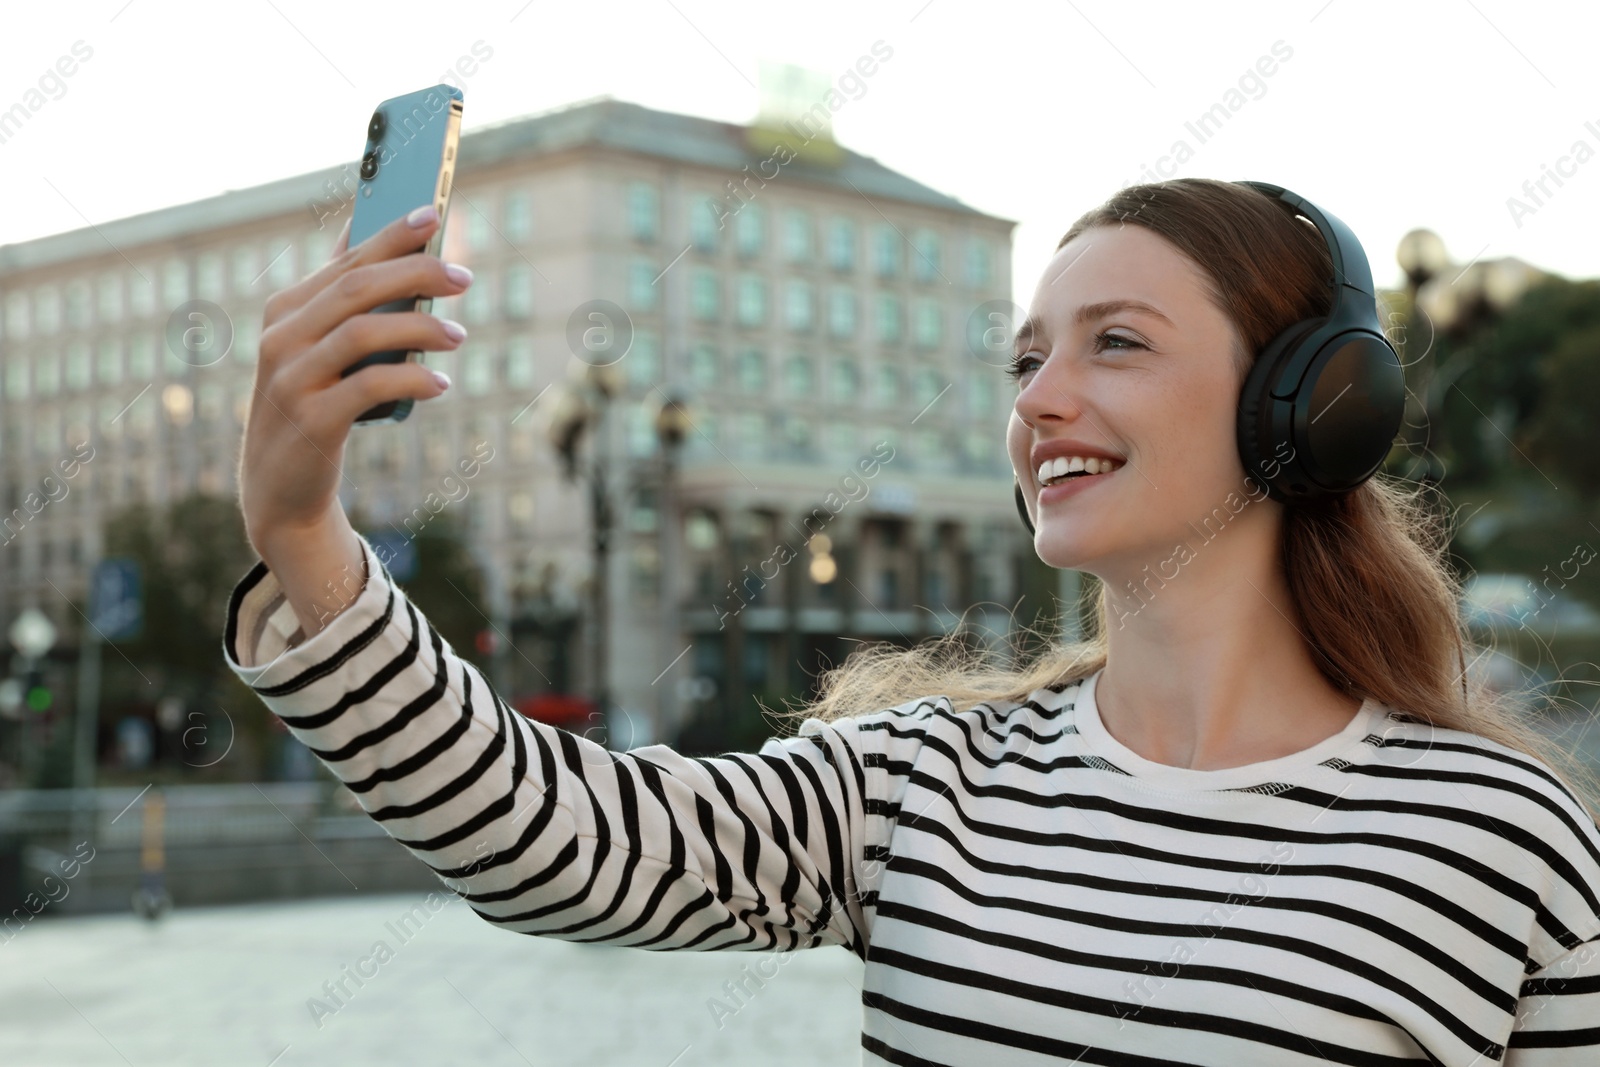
x,y
404,235
343,243
366,287
370,386
361,335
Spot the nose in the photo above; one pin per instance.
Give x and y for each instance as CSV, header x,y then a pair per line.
x,y
1048,395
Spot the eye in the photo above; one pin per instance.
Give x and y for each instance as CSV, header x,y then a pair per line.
x,y
1101,343
1016,371
1100,340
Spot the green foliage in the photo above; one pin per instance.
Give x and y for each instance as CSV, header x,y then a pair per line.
x,y
1525,371
448,586
1564,433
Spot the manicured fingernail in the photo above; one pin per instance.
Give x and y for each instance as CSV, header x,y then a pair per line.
x,y
422,215
458,274
442,378
454,329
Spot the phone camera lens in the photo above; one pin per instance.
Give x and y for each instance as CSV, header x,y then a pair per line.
x,y
369,166
376,126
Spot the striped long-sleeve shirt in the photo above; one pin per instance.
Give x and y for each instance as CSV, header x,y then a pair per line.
x,y
1021,887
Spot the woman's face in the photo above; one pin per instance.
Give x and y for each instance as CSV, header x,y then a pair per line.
x,y
1156,387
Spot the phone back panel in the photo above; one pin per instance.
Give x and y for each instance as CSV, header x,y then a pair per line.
x,y
411,166
409,161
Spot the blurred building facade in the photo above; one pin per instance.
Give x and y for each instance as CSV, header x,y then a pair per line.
x,y
816,315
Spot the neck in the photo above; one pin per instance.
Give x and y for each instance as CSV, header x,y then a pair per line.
x,y
1208,663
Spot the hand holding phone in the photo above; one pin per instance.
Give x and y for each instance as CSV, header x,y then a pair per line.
x,y
305,403
409,160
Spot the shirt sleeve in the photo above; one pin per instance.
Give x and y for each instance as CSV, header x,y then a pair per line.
x,y
546,832
1558,1012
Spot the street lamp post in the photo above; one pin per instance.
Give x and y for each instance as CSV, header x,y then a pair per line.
x,y
672,424
580,410
1423,257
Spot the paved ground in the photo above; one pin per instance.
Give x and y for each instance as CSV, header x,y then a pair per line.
x,y
230,986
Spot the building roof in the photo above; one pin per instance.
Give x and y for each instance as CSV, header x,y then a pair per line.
x,y
601,122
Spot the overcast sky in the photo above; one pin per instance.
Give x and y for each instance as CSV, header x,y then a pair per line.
x,y
1391,115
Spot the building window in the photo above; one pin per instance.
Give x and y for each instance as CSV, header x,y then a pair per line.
x,y
641,285
797,305
477,372
281,271
842,244
980,262
644,211
110,302
752,370
705,294
79,369
925,261
887,251
841,311
926,386
247,338
142,358
519,217
644,361
519,291
798,376
703,366
797,437
752,299
47,309
886,385
17,378
841,439
47,376
245,269
980,392
477,303
208,277
797,235
519,362
641,430
889,318
480,230
77,309
705,220
17,316
846,381
927,325
749,229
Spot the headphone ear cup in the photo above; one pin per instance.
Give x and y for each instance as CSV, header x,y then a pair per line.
x,y
1022,505
1258,447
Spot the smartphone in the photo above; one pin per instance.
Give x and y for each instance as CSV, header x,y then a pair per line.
x,y
409,161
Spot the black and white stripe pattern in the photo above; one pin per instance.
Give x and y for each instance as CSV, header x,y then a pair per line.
x,y
1021,888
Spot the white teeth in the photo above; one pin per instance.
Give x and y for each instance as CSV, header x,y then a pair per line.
x,y
1055,468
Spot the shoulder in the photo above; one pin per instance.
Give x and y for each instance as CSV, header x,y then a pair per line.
x,y
1467,767
898,733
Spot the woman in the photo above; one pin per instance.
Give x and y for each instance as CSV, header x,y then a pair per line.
x,y
1207,835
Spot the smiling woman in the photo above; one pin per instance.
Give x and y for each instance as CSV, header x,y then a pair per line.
x,y
1266,821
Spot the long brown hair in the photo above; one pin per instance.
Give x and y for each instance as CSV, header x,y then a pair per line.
x,y
1368,571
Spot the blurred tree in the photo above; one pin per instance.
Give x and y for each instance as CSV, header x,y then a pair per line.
x,y
190,555
448,584
1564,433
1506,383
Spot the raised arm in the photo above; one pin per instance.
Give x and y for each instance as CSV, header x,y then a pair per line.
x,y
539,829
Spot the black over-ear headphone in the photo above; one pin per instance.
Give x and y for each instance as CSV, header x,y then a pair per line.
x,y
1322,404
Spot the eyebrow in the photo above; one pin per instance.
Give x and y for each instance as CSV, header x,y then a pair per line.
x,y
1033,325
